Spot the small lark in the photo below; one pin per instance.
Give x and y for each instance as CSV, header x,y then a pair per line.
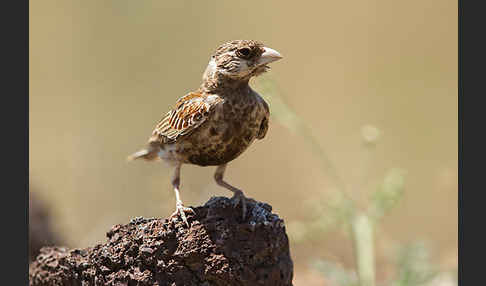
x,y
215,124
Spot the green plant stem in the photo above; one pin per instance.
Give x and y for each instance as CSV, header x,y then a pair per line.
x,y
362,234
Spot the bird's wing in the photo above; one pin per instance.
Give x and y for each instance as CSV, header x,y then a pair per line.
x,y
264,124
189,112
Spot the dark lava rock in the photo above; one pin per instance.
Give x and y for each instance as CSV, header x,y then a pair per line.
x,y
219,248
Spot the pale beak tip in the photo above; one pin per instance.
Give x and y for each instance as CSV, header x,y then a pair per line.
x,y
269,55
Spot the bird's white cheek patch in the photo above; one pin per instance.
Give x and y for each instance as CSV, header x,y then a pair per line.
x,y
243,66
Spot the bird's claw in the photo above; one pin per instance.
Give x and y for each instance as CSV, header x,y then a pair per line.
x,y
180,210
238,198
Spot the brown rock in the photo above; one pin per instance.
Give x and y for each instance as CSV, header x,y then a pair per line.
x,y
218,249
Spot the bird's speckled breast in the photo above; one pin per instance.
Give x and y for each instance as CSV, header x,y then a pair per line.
x,y
229,130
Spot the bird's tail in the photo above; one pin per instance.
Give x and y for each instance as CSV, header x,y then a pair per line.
x,y
150,153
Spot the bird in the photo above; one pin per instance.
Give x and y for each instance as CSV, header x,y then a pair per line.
x,y
216,123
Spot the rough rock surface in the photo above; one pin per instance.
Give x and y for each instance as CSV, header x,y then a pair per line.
x,y
219,248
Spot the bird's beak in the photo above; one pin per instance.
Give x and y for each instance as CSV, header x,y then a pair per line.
x,y
268,56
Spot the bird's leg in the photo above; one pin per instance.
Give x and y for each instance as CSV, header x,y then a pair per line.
x,y
180,208
238,194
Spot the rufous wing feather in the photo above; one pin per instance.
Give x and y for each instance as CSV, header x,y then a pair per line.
x,y
190,111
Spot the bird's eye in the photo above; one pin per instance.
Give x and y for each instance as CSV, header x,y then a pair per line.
x,y
243,52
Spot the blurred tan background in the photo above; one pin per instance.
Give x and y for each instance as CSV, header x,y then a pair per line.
x,y
102,73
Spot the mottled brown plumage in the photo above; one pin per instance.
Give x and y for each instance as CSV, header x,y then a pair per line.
x,y
215,124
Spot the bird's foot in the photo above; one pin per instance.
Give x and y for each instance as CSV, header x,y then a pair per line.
x,y
181,210
238,198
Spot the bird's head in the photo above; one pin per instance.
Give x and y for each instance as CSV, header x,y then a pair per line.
x,y
240,60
